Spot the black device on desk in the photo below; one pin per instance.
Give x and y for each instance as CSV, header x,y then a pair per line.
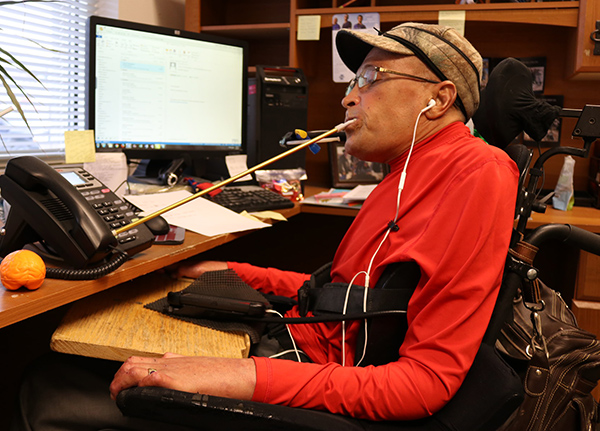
x,y
71,212
209,306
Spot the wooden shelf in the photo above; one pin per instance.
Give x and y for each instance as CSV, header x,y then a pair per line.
x,y
270,25
564,14
250,31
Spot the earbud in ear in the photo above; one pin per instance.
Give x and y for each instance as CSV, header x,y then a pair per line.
x,y
430,105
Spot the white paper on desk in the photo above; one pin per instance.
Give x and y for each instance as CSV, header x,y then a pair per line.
x,y
359,193
111,169
199,215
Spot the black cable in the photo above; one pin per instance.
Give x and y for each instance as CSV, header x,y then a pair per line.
x,y
287,320
115,262
328,318
126,182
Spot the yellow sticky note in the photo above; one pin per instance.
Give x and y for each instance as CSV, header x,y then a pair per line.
x,y
309,27
453,18
79,146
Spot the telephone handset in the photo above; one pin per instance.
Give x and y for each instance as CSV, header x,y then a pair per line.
x,y
70,211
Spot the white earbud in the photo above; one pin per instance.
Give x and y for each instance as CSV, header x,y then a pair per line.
x,y
430,105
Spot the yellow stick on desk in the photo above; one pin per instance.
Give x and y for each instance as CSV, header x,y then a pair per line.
x,y
299,147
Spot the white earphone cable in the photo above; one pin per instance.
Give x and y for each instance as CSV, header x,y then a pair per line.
x,y
344,313
289,333
401,183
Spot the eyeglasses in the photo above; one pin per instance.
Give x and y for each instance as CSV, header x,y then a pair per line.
x,y
369,75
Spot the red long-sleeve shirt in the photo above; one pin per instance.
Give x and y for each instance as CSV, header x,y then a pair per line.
x,y
455,220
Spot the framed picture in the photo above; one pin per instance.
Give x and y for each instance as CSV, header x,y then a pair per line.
x,y
537,65
348,171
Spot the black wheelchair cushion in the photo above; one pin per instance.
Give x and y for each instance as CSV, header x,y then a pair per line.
x,y
508,106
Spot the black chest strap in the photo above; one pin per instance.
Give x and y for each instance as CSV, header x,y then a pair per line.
x,y
379,339
391,293
332,297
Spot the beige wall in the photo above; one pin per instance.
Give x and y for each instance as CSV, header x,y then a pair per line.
x,y
166,13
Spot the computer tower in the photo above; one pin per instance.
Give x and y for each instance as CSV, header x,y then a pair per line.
x,y
277,104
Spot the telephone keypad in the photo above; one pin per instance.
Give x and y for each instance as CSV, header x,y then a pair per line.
x,y
115,211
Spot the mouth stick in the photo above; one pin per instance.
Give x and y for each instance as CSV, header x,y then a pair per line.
x,y
144,219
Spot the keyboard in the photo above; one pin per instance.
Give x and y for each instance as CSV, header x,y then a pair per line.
x,y
250,198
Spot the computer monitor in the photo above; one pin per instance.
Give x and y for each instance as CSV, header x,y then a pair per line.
x,y
161,94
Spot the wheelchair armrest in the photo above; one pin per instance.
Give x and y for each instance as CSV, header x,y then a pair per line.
x,y
206,412
488,396
566,233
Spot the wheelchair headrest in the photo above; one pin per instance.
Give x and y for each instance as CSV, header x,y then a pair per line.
x,y
508,106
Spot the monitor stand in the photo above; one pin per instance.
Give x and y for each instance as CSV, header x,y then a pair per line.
x,y
150,171
211,168
169,171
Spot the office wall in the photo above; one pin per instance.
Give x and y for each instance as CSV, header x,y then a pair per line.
x,y
166,13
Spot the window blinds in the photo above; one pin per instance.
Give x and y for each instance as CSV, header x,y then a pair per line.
x,y
50,40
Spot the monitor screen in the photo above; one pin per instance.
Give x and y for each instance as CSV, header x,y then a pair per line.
x,y
160,93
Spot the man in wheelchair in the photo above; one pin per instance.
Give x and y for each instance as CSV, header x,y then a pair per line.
x,y
446,208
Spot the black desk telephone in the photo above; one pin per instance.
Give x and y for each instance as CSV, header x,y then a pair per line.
x,y
70,212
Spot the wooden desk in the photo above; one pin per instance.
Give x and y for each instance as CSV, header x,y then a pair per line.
x,y
582,217
115,325
20,305
322,209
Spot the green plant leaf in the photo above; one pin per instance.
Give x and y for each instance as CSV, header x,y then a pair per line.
x,y
20,65
13,98
3,71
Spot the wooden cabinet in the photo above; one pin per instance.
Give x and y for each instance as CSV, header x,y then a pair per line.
x,y
582,60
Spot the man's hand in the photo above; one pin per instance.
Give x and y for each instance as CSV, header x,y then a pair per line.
x,y
194,270
231,378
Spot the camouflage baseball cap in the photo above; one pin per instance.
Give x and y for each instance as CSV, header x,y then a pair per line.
x,y
448,54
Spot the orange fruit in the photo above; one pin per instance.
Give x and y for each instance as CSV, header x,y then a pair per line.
x,y
22,268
